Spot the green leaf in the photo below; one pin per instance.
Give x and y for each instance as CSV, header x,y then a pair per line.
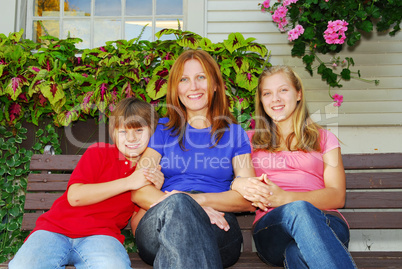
x,y
14,211
298,49
37,146
366,26
234,42
309,33
353,38
345,74
12,226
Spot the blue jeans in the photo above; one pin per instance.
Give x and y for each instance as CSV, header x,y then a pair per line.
x,y
45,250
177,233
299,235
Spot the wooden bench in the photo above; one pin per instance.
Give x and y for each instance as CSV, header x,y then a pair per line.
x,y
373,201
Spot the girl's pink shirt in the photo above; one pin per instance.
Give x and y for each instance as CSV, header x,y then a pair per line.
x,y
296,171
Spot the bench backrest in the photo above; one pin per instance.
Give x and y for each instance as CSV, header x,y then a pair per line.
x,y
373,198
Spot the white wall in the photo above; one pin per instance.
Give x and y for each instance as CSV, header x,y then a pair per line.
x,y
7,16
378,56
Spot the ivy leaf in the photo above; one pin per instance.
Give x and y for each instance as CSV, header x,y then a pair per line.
x,y
12,226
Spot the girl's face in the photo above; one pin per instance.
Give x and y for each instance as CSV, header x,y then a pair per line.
x,y
279,97
193,89
132,142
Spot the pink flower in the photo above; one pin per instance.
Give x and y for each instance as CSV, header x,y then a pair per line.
x,y
335,33
326,0
279,17
288,2
338,99
295,33
265,4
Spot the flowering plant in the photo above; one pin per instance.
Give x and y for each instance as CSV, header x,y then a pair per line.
x,y
324,26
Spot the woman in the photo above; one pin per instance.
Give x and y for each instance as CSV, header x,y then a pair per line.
x,y
301,180
200,150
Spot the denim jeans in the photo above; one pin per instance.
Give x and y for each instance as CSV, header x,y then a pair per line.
x,y
44,250
177,233
299,235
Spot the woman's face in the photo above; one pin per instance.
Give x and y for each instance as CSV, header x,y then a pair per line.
x,y
193,89
279,97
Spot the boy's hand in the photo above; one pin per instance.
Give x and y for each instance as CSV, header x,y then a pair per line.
x,y
155,176
137,179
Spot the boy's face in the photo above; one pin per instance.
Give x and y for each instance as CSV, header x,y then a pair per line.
x,y
132,142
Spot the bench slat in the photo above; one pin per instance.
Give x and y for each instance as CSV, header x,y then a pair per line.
x,y
374,220
372,161
41,201
48,182
374,180
54,162
366,200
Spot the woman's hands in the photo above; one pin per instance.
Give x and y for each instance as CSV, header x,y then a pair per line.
x,y
261,191
215,216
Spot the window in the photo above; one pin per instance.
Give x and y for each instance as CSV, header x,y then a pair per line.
x,y
98,21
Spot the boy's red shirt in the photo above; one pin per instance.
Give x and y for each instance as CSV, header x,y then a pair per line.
x,y
101,162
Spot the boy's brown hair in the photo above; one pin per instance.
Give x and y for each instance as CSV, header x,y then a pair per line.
x,y
132,113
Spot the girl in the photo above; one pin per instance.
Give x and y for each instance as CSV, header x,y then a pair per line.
x,y
301,180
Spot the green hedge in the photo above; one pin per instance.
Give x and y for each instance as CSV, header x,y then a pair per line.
x,y
55,79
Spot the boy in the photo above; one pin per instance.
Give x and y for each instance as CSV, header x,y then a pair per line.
x,y
83,227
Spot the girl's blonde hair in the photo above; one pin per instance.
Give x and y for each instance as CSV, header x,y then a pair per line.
x,y
218,111
305,131
132,113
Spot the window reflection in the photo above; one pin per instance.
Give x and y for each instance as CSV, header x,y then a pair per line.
x,y
78,29
106,30
138,7
77,8
133,29
46,8
42,28
107,7
169,7
98,21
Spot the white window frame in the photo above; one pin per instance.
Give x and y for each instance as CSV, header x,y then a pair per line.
x,y
195,18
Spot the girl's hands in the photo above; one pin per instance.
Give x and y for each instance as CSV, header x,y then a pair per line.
x,y
261,191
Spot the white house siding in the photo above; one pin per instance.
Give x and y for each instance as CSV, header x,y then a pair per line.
x,y
370,118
